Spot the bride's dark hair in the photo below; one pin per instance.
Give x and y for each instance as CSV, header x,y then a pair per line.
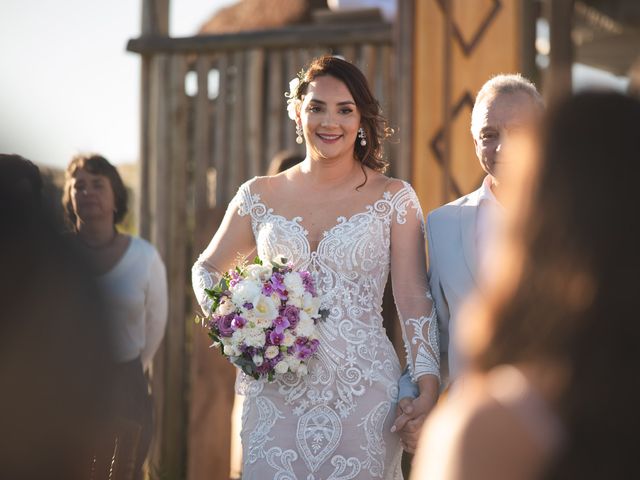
x,y
374,124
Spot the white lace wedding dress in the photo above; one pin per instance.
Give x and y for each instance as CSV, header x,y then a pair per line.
x,y
335,422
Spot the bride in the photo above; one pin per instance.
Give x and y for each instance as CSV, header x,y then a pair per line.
x,y
339,217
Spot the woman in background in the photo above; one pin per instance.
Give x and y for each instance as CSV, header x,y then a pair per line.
x,y
553,389
133,282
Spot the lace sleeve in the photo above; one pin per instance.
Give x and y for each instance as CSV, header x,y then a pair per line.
x,y
232,242
410,286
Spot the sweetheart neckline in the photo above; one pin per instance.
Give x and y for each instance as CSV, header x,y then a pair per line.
x,y
341,220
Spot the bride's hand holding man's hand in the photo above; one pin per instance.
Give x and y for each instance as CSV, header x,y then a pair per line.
x,y
412,412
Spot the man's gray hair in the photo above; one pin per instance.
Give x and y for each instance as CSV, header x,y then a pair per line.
x,y
506,83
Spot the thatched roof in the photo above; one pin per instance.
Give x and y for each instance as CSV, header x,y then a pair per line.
x,y
260,15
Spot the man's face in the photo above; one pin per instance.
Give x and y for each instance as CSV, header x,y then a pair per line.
x,y
494,120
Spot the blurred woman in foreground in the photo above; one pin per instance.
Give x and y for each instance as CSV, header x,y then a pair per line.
x,y
552,390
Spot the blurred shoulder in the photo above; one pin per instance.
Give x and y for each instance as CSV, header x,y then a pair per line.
x,y
480,437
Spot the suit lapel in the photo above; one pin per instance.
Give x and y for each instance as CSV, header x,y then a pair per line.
x,y
468,218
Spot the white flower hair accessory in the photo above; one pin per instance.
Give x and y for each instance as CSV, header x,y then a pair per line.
x,y
292,101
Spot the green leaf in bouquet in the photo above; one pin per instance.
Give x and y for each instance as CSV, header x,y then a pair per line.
x,y
215,304
257,261
270,376
324,313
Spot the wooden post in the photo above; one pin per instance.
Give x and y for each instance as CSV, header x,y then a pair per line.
x,y
558,80
155,21
404,87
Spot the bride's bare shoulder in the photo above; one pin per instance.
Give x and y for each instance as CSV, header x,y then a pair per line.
x,y
270,183
383,183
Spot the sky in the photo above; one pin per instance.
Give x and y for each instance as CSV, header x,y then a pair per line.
x,y
67,83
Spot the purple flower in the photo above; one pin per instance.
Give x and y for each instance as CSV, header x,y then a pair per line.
x,y
235,278
277,280
303,348
267,289
224,325
276,338
309,284
280,323
264,368
292,314
238,322
248,306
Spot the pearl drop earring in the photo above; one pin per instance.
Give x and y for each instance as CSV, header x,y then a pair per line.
x,y
362,136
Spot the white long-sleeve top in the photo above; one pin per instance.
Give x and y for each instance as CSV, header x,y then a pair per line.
x,y
135,292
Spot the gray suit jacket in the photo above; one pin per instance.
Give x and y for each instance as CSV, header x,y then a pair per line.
x,y
452,270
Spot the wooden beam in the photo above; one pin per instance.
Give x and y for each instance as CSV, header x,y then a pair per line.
x,y
302,36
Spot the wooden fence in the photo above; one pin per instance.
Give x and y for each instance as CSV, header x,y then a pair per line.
x,y
213,114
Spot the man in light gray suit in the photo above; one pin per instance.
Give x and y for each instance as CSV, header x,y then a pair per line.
x,y
460,232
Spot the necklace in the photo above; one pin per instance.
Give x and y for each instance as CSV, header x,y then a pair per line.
x,y
107,244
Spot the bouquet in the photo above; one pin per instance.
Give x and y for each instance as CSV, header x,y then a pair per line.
x,y
263,318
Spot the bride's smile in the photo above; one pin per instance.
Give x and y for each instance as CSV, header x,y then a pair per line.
x,y
329,119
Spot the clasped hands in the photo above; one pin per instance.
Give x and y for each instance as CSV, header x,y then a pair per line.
x,y
412,412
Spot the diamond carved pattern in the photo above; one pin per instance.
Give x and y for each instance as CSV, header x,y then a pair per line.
x,y
468,46
466,100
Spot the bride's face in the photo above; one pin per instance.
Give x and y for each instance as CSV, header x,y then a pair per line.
x,y
329,119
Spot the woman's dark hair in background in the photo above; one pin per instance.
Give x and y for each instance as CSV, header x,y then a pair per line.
x,y
284,160
577,300
374,124
21,200
97,165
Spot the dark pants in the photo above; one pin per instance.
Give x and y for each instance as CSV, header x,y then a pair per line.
x,y
125,448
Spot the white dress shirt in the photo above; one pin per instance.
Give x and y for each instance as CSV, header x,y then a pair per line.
x,y
490,216
135,293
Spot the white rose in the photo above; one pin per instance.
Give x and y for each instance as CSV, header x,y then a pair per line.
x,y
293,362
226,307
258,273
295,300
293,283
257,359
305,326
265,308
271,352
310,304
245,291
281,367
255,338
238,336
248,315
262,322
302,370
231,351
289,339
